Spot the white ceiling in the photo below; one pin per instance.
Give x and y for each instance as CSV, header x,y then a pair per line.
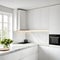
x,y
27,4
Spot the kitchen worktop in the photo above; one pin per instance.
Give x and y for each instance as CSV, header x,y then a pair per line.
x,y
17,47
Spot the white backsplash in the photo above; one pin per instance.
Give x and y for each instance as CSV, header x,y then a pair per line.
x,y
36,37
18,36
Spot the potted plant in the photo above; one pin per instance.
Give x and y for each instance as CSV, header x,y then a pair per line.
x,y
6,42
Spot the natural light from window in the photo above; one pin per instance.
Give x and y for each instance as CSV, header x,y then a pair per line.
x,y
5,25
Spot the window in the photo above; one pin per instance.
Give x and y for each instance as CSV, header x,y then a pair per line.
x,y
5,25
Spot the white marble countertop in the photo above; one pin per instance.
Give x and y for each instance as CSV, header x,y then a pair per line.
x,y
17,47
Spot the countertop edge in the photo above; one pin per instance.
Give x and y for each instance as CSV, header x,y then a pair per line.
x,y
18,50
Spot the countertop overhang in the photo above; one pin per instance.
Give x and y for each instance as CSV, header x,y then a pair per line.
x,y
17,47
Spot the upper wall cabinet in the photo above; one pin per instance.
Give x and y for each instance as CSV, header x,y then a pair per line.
x,y
22,20
44,18
38,19
54,19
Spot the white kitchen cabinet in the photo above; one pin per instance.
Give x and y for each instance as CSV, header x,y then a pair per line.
x,y
31,57
28,53
22,20
38,19
54,19
44,18
13,56
49,52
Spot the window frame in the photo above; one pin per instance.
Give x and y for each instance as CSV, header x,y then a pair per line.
x,y
9,17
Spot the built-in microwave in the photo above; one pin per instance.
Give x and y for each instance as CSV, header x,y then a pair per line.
x,y
54,39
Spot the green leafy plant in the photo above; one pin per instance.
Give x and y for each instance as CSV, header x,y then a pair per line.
x,y
6,42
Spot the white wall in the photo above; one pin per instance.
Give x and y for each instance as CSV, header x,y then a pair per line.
x,y
18,36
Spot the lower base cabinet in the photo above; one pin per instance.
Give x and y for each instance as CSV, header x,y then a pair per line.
x,y
30,53
49,52
31,57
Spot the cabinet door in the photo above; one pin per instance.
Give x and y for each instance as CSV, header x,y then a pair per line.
x,y
44,18
30,51
16,55
54,19
43,53
38,19
22,54
22,17
49,53
31,57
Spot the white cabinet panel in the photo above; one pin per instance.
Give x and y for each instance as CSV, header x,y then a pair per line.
x,y
43,53
49,53
13,56
22,17
28,53
31,57
54,19
44,18
38,19
34,19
